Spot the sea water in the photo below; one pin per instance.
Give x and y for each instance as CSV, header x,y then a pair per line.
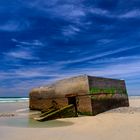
x,y
12,104
13,99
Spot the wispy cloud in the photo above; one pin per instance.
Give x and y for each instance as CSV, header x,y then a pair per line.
x,y
104,41
48,74
131,14
34,71
28,43
24,49
115,60
14,25
124,70
98,11
120,70
66,10
123,14
98,55
70,31
20,54
113,70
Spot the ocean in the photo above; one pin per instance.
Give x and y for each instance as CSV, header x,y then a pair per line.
x,y
13,99
13,104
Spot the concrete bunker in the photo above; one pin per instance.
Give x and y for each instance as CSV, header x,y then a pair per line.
x,y
85,95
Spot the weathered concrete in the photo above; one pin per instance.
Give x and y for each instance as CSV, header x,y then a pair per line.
x,y
77,85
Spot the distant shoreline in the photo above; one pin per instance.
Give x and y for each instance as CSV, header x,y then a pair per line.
x,y
13,99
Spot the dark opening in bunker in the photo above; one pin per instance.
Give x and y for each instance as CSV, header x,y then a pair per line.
x,y
72,100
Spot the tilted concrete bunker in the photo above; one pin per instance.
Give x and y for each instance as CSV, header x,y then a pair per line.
x,y
89,95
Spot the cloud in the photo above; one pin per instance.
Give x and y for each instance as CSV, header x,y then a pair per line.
x,y
28,43
22,86
119,70
69,31
98,11
131,14
14,40
59,72
33,71
97,55
26,50
14,26
120,15
113,70
36,75
20,54
71,11
123,59
104,41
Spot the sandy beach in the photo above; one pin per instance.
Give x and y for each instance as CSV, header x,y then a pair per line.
x,y
118,124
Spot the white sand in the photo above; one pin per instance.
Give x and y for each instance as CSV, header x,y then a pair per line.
x,y
112,125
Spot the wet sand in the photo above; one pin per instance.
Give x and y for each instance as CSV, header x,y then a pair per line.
x,y
117,124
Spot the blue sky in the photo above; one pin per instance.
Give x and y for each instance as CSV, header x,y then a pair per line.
x,y
46,40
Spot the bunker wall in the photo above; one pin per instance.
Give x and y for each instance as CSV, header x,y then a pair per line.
x,y
84,105
106,85
44,104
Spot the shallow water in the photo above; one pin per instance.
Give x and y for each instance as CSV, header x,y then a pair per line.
x,y
23,118
28,122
